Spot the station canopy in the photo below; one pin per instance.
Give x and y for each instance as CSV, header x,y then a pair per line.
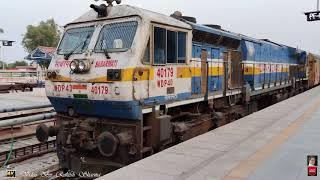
x,y
41,53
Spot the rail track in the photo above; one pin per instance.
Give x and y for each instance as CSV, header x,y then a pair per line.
x,y
24,153
17,133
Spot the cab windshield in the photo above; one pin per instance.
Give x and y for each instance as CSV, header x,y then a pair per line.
x,y
116,37
76,40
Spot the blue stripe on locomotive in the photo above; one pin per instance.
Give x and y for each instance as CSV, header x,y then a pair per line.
x,y
266,78
101,108
266,51
128,110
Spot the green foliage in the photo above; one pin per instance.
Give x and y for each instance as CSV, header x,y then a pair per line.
x,y
17,63
44,63
1,64
45,34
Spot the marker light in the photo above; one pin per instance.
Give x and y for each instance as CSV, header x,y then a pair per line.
x,y
49,75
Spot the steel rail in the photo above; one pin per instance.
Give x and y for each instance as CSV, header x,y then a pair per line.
x,y
21,108
28,119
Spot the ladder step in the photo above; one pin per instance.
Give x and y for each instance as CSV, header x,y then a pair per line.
x,y
146,149
146,128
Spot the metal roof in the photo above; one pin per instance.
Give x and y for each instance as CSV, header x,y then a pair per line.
x,y
214,31
127,10
41,53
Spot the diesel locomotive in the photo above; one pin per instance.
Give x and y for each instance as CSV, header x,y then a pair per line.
x,y
127,82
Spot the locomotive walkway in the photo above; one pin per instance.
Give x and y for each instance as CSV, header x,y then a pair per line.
x,y
271,144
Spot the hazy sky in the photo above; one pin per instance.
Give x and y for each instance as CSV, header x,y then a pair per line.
x,y
282,21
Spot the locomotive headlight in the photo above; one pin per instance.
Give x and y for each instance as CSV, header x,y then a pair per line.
x,y
74,65
82,66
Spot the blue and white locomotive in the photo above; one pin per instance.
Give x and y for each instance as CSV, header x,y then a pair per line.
x,y
127,82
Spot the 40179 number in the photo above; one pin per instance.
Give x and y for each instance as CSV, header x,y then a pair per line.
x,y
165,72
100,90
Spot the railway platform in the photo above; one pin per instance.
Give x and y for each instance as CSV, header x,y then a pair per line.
x,y
271,144
36,97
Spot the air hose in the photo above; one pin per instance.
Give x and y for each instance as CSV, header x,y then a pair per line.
x,y
10,153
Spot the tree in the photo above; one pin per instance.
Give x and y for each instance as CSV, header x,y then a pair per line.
x,y
1,30
1,64
17,63
44,63
45,34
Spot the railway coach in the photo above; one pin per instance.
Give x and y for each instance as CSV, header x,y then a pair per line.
x,y
127,82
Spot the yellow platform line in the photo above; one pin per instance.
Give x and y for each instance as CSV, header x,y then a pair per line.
x,y
246,167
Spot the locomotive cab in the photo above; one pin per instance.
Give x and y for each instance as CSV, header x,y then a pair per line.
x,y
102,61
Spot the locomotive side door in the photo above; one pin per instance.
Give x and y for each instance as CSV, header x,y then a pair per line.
x,y
311,70
141,77
204,72
235,79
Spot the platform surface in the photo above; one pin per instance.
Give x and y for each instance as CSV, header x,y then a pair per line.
x,y
33,167
270,144
36,97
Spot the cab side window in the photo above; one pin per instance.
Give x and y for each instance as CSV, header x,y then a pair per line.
x,y
160,50
146,58
182,47
172,47
169,46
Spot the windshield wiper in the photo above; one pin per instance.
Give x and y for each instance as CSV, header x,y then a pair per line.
x,y
106,53
105,50
67,56
83,44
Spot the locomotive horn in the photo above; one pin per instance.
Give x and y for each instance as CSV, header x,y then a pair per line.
x,y
101,10
111,1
